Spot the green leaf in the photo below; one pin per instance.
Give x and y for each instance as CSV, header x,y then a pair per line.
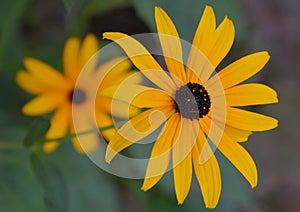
x,y
37,131
52,182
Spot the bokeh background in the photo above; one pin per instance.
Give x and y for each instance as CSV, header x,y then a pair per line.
x,y
67,181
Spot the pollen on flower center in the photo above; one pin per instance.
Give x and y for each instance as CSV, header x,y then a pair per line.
x,y
77,96
192,101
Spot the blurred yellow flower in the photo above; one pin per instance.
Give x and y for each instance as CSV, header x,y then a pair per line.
x,y
196,106
55,92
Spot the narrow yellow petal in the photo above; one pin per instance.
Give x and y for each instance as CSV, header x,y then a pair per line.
x,y
250,94
203,38
183,178
171,45
84,121
240,158
223,40
241,69
121,72
250,121
143,60
105,120
86,143
118,108
202,44
182,158
139,96
237,134
89,47
46,74
59,127
208,174
43,104
50,146
60,122
160,155
29,83
71,58
136,129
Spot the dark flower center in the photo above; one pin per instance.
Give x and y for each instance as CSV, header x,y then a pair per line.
x,y
77,96
192,101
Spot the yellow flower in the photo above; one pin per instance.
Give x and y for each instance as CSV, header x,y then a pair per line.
x,y
196,107
55,92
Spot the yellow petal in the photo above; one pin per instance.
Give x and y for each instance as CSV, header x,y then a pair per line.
x,y
250,94
250,121
60,122
237,134
139,96
220,44
182,158
43,104
136,129
223,40
105,120
46,74
208,174
183,178
160,155
240,158
143,60
29,83
59,127
203,38
118,73
241,69
202,44
50,146
86,129
70,58
171,45
89,47
86,143
116,108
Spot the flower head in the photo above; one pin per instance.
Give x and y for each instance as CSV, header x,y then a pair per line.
x,y
195,106
58,92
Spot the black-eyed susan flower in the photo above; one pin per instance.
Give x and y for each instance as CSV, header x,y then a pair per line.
x,y
58,92
197,109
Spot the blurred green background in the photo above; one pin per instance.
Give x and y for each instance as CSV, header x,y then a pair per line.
x,y
67,181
